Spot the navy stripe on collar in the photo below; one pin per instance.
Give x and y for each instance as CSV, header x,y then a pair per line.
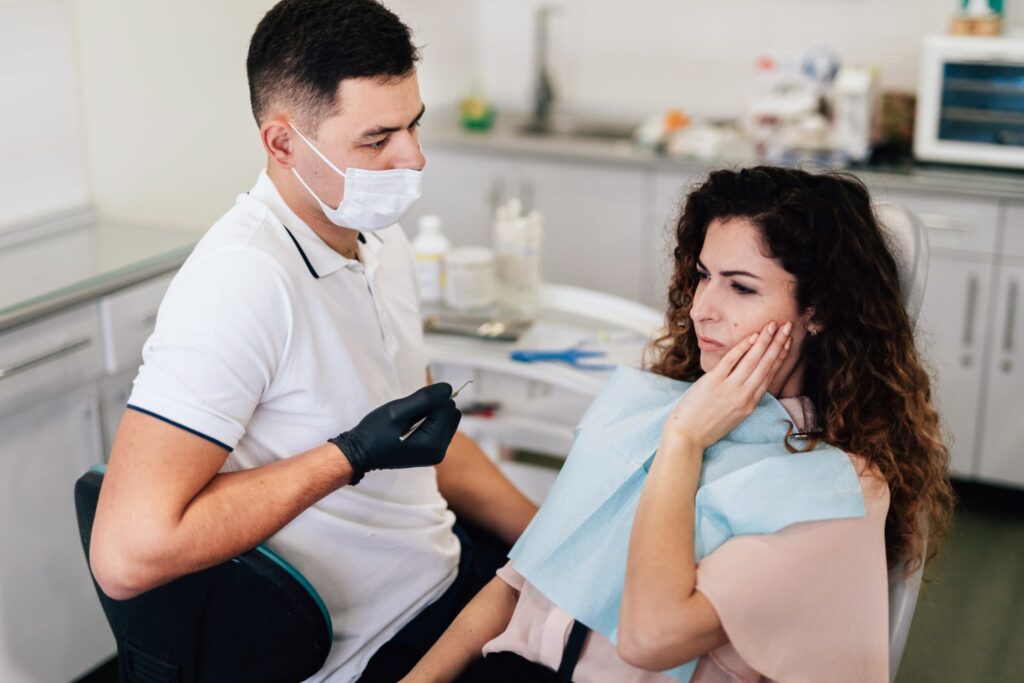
x,y
302,253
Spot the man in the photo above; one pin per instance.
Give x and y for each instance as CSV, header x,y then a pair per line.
x,y
297,317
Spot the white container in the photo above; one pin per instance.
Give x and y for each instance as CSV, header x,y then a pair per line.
x,y
430,246
470,278
855,101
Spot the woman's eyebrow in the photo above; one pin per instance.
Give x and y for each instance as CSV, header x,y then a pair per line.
x,y
729,273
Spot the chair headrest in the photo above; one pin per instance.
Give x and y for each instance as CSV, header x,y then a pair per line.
x,y
907,239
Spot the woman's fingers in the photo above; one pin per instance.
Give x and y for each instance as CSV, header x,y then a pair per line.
x,y
766,371
745,367
730,359
767,363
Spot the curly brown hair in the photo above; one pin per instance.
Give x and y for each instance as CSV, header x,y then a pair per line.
x,y
864,375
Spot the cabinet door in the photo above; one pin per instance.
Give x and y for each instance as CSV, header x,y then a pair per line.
x,y
52,627
951,336
1002,443
594,235
955,222
463,188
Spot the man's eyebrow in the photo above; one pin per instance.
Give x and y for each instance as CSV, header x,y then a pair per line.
x,y
384,130
729,273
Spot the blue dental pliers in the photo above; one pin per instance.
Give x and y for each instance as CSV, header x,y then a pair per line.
x,y
569,356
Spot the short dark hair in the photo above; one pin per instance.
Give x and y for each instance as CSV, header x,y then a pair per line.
x,y
302,49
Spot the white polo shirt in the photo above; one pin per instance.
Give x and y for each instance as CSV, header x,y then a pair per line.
x,y
268,343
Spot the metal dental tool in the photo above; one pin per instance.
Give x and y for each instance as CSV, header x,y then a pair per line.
x,y
420,421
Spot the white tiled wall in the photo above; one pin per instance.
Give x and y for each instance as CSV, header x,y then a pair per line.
x,y
41,152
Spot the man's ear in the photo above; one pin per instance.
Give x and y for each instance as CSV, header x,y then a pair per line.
x,y
278,140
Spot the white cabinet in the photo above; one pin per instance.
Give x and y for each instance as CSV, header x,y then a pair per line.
x,y
951,338
59,410
954,334
594,236
113,393
594,232
463,189
51,625
127,318
1002,443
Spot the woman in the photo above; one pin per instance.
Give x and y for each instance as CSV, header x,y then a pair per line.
x,y
784,302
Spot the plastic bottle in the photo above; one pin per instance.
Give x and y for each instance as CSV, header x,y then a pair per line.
x,y
430,246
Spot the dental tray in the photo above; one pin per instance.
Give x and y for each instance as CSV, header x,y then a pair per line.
x,y
497,328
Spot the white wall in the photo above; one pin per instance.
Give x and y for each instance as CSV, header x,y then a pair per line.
x,y
168,128
42,169
169,131
639,57
171,140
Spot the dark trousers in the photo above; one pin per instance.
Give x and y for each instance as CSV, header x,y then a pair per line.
x,y
507,667
482,555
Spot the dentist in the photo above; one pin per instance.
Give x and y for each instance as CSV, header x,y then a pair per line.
x,y
288,358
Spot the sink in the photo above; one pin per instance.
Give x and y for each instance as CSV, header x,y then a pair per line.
x,y
592,130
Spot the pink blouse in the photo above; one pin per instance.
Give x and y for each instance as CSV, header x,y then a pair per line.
x,y
808,603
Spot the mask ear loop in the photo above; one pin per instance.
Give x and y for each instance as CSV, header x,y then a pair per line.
x,y
317,151
323,205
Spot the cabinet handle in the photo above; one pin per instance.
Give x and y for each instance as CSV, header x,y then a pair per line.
x,y
1008,333
934,221
969,310
47,356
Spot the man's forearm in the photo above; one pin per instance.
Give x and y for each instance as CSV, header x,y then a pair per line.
x,y
231,514
477,491
239,510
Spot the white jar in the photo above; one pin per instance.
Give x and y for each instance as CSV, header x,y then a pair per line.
x,y
470,278
430,246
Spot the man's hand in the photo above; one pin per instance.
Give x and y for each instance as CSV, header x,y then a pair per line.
x,y
375,443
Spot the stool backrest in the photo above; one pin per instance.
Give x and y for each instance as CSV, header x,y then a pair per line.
x,y
907,239
903,591
252,618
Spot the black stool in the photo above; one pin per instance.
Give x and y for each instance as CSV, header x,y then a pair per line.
x,y
252,618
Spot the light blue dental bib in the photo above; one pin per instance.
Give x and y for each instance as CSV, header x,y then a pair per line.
x,y
574,550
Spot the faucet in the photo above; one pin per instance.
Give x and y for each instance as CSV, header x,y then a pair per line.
x,y
543,92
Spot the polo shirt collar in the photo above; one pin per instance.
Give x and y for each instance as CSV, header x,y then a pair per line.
x,y
319,258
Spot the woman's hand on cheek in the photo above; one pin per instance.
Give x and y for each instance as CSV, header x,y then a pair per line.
x,y
729,392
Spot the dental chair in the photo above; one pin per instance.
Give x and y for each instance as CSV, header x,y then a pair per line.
x,y
908,241
252,618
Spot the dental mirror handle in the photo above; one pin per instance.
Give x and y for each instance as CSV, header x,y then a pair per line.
x,y
416,425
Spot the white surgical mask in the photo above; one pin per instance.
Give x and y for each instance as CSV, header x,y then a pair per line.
x,y
373,199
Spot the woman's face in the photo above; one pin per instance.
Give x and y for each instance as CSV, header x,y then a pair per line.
x,y
740,289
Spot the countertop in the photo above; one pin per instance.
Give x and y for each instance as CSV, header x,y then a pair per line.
x,y
56,271
507,140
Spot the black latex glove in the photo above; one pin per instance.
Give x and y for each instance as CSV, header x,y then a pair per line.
x,y
375,444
